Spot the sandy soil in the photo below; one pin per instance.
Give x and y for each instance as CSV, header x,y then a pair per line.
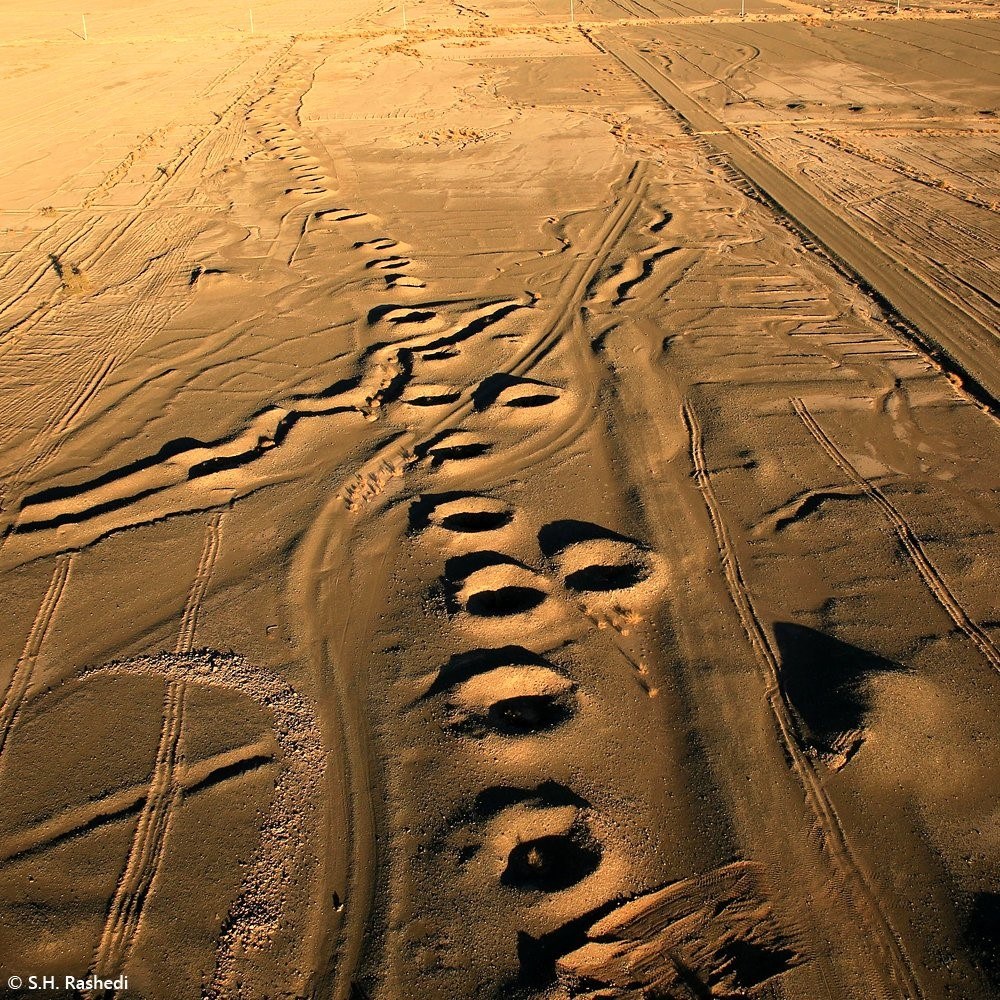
x,y
500,508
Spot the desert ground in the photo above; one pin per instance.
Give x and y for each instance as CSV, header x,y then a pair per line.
x,y
500,501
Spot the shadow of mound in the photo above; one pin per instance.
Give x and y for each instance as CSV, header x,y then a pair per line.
x,y
558,535
438,451
549,794
458,568
982,936
467,513
456,452
825,682
489,390
525,714
197,273
462,666
407,313
504,601
470,522
598,578
552,863
434,399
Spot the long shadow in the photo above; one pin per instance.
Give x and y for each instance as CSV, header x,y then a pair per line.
x,y
558,535
470,329
982,936
463,666
170,450
177,446
488,391
825,681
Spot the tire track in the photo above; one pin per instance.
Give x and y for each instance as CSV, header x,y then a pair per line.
x,y
908,539
327,543
125,912
48,440
14,695
86,394
394,458
83,222
152,296
351,783
940,327
203,575
834,838
98,234
392,461
79,392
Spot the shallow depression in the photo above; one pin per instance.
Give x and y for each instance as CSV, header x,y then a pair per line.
x,y
510,600
552,863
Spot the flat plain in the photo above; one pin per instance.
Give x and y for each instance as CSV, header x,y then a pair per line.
x,y
500,501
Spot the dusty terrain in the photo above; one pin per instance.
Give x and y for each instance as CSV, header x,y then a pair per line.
x,y
496,507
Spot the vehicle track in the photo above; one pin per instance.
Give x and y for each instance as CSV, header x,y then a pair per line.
x,y
47,440
940,327
395,458
898,166
126,910
325,547
119,490
62,239
155,290
855,882
148,842
202,578
17,687
908,540
562,433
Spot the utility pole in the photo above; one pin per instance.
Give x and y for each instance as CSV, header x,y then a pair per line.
x,y
743,8
85,38
404,13
572,12
251,19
